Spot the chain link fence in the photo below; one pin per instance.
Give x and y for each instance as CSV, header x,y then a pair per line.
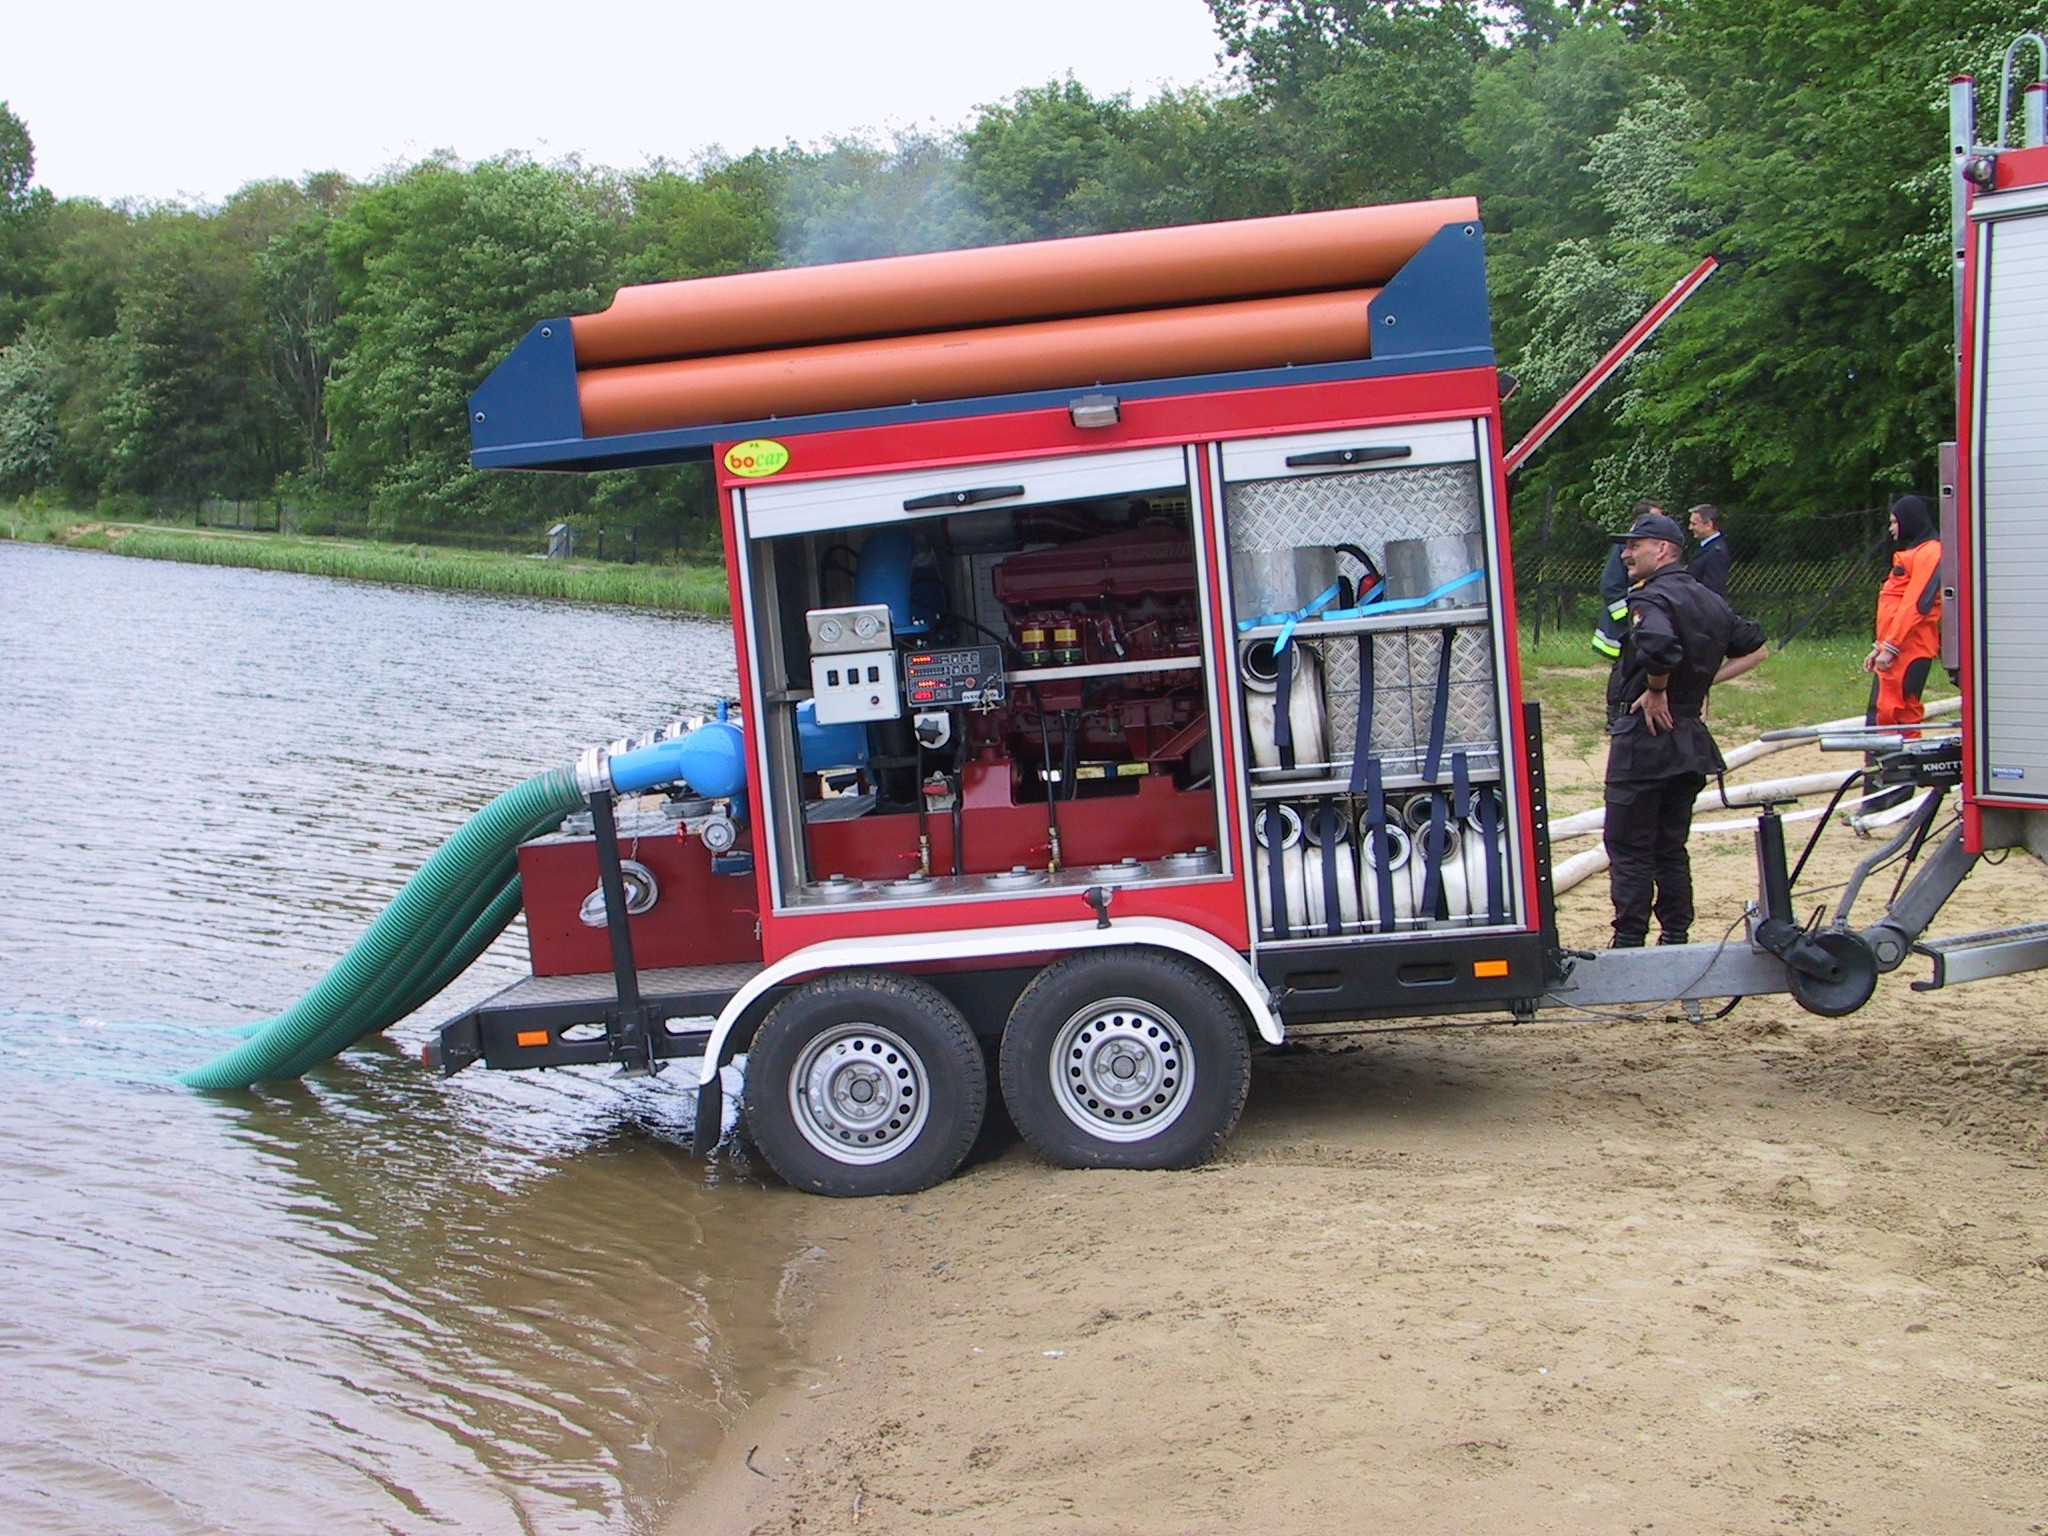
x,y
593,539
1810,576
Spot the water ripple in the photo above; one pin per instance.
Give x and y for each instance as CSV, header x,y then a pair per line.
x,y
370,1300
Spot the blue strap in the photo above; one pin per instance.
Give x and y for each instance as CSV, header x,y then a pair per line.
x,y
1461,804
1436,843
1283,705
1326,818
1382,857
1439,714
1370,606
1287,621
1366,606
1489,822
1276,873
1361,740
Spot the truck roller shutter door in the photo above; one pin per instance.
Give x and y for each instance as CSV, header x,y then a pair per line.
x,y
2012,505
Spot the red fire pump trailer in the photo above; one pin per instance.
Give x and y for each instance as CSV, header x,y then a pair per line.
x,y
1124,632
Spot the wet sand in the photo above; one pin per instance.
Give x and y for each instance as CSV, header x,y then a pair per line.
x,y
1765,1271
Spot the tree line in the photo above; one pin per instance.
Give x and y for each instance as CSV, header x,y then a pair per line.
x,y
315,340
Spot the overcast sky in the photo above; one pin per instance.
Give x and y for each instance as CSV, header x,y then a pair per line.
x,y
165,101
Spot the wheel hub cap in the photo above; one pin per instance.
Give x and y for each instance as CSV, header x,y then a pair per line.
x,y
859,1094
1122,1070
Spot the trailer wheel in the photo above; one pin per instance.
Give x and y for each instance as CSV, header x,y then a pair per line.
x,y
865,1083
1125,1060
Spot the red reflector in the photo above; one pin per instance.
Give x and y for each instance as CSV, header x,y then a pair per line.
x,y
540,1036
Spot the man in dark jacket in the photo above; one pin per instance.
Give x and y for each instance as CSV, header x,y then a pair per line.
x,y
1710,562
1614,578
1681,640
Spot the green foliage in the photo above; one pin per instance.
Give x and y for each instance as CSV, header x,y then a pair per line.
x,y
88,258
1188,157
17,161
717,221
1813,374
189,412
438,271
28,415
1030,160
320,338
1361,99
295,285
24,210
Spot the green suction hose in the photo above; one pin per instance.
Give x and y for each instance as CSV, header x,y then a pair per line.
x,y
448,912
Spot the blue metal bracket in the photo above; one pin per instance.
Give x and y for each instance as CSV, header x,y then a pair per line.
x,y
528,403
1437,302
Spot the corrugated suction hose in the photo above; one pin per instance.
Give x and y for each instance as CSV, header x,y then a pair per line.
x,y
447,914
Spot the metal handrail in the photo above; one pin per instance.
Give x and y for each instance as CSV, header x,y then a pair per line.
x,y
2033,134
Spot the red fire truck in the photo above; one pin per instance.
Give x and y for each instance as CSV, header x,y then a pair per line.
x,y
1124,632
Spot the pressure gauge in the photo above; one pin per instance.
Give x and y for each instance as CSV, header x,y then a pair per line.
x,y
835,631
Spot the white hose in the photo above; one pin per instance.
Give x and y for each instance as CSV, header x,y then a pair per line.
x,y
1584,823
1581,866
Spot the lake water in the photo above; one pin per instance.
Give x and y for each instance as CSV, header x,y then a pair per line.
x,y
371,1300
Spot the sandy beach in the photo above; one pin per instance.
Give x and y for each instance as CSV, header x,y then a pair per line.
x,y
1761,1272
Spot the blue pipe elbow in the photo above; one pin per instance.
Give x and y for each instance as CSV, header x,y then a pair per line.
x,y
883,576
712,760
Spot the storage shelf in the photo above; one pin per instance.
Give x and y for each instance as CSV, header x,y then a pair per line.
x,y
1368,933
1105,669
1375,623
1340,783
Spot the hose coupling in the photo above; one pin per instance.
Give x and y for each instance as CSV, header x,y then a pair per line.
x,y
594,772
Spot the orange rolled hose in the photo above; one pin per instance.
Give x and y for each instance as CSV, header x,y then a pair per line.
x,y
1039,280
954,365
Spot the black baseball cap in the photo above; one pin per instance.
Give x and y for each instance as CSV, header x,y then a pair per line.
x,y
1651,525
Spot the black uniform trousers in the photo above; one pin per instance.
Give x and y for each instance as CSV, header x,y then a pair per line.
x,y
1648,869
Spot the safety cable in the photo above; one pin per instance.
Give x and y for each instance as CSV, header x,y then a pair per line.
x,y
1052,814
1622,1016
1913,853
1813,841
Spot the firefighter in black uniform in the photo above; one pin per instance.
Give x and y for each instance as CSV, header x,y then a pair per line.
x,y
1681,640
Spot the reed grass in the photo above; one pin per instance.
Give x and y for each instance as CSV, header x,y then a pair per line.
x,y
681,588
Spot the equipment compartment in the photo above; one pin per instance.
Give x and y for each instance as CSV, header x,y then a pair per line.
x,y
1039,714
1368,664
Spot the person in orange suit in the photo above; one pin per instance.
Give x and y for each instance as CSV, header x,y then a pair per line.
x,y
1908,617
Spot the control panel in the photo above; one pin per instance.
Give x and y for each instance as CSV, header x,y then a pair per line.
x,y
971,675
854,676
861,685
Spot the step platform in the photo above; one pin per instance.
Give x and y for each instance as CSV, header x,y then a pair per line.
x,y
562,1021
1981,956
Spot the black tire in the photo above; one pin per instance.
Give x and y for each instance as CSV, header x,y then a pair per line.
x,y
832,1042
1176,1028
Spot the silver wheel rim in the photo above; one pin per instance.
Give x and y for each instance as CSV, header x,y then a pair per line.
x,y
1122,1069
859,1094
